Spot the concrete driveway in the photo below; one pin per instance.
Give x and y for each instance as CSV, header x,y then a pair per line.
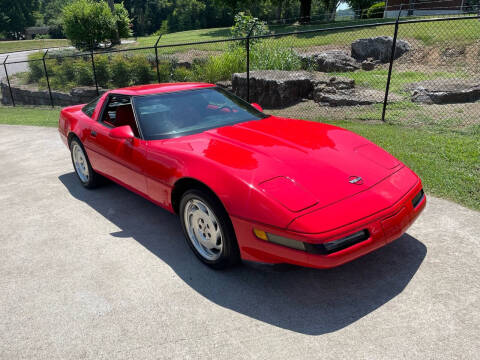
x,y
106,274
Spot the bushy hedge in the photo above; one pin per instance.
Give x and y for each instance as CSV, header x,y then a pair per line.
x,y
122,69
376,10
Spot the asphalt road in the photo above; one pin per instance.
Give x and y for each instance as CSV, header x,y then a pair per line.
x,y
15,57
106,274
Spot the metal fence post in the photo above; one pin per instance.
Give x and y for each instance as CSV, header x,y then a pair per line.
x,y
392,58
8,80
156,58
48,80
247,45
94,72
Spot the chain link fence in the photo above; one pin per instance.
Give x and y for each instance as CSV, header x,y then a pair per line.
x,y
411,71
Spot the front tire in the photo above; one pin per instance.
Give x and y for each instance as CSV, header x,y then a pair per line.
x,y
208,229
87,176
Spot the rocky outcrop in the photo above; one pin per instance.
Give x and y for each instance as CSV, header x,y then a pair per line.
x,y
379,48
329,61
274,88
27,95
460,94
348,97
368,65
340,91
330,83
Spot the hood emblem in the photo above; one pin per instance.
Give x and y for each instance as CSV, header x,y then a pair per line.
x,y
357,180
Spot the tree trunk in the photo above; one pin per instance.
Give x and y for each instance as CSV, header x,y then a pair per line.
x,y
332,9
116,36
279,10
305,9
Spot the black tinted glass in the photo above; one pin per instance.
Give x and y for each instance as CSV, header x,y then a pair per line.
x,y
90,107
169,115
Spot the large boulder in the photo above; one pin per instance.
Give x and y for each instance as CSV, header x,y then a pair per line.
x,y
445,91
329,61
274,88
341,91
379,48
350,97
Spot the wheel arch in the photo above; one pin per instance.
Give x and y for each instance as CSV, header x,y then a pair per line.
x,y
188,183
71,135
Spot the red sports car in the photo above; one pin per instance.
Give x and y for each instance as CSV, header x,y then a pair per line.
x,y
245,184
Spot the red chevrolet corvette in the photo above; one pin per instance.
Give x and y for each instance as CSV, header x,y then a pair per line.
x,y
246,185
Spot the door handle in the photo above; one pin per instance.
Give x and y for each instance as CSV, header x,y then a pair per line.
x,y
93,133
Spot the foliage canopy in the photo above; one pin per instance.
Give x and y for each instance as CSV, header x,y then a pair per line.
x,y
88,23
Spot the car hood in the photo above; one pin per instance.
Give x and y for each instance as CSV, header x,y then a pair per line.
x,y
298,163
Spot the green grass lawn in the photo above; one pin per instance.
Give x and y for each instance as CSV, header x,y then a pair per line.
x,y
38,116
434,33
19,45
448,162
377,79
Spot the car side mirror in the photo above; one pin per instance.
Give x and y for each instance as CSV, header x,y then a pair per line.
x,y
122,132
256,106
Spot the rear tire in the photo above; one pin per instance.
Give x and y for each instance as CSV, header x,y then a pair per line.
x,y
87,176
208,229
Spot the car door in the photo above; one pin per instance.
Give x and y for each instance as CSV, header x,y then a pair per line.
x,y
121,159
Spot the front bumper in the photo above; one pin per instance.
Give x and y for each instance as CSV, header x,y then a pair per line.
x,y
383,227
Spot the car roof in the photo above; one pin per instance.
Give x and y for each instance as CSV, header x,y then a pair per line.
x,y
160,88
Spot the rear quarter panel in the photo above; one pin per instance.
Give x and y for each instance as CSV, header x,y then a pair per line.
x,y
74,121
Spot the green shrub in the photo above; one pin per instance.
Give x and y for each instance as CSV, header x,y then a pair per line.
x,y
141,70
165,69
56,83
83,73
102,70
65,70
268,57
182,74
35,65
376,10
120,71
221,67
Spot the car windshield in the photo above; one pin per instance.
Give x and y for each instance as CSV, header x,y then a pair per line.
x,y
169,115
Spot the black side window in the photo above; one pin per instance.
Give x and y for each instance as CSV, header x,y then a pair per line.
x,y
90,107
119,112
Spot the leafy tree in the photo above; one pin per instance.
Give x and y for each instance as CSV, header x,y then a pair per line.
x,y
359,5
186,15
52,10
88,23
16,15
246,24
147,15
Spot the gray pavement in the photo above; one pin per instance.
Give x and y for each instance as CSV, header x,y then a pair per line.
x,y
106,274
14,58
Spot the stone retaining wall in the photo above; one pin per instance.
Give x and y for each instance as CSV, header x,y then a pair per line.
x,y
26,95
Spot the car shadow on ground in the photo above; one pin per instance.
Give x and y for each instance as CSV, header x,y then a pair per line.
x,y
307,301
